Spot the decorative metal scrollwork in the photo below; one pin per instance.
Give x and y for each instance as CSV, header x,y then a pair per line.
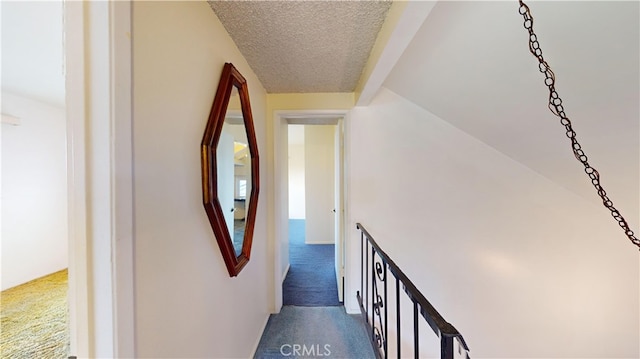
x,y
381,306
379,334
378,304
380,273
377,337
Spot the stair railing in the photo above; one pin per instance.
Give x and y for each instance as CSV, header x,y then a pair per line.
x,y
375,264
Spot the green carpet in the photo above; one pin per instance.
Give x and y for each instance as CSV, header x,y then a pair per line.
x,y
34,319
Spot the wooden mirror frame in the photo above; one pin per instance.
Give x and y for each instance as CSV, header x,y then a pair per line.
x,y
230,78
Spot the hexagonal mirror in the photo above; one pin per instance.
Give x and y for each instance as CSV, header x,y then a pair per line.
x,y
230,182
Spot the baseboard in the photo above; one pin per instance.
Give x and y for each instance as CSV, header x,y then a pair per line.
x,y
352,310
319,242
286,271
255,346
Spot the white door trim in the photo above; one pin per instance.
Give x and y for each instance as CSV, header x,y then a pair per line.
x,y
78,296
339,218
122,177
98,87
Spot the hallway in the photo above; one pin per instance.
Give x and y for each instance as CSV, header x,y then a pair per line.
x,y
311,279
312,322
451,157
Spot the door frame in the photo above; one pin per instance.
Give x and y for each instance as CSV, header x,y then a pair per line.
x,y
98,79
282,119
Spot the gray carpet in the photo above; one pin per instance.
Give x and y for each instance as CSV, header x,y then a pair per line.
x,y
311,332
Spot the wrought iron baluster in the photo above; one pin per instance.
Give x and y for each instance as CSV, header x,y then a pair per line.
x,y
380,268
361,264
446,347
379,330
386,321
398,340
416,345
374,294
366,282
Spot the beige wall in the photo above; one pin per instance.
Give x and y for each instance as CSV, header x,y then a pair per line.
x,y
187,306
297,197
309,101
319,153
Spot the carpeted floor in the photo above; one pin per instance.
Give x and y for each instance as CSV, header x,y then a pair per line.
x,y
312,323
238,235
311,280
34,319
311,332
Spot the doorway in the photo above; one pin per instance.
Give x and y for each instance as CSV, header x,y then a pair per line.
x,y
34,181
324,222
312,278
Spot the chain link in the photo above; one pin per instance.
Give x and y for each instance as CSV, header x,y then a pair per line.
x,y
555,105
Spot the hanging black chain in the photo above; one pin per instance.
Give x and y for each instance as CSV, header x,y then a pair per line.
x,y
555,105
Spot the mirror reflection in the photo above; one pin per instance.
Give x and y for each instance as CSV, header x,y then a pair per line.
x,y
230,170
234,172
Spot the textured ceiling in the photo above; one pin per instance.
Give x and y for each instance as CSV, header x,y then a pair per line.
x,y
304,46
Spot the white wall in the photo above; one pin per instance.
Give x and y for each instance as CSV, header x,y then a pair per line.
x,y
34,191
521,266
187,306
296,172
319,183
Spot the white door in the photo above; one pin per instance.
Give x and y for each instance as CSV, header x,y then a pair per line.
x,y
224,157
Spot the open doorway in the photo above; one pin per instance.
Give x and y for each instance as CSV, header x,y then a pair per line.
x,y
312,279
35,254
311,204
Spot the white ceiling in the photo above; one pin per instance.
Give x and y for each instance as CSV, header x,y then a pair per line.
x,y
32,56
470,65
304,46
